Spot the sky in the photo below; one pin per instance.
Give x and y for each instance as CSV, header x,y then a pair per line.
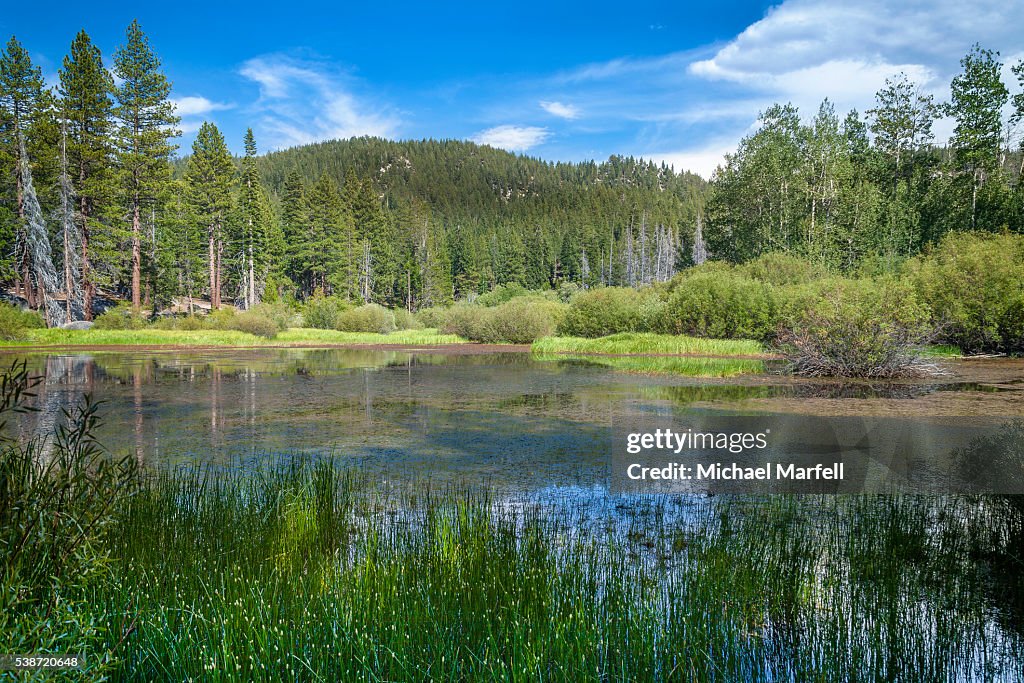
x,y
669,81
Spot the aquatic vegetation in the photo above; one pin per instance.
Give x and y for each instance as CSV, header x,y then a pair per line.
x,y
208,337
646,343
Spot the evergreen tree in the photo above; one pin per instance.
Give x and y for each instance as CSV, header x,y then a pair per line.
x,y
85,108
209,177
257,245
146,124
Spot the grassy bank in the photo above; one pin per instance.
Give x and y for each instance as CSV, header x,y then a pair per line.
x,y
227,338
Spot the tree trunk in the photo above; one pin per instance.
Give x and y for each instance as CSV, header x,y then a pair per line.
x,y
87,287
213,271
136,256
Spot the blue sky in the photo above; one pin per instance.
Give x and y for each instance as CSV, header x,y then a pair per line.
x,y
671,81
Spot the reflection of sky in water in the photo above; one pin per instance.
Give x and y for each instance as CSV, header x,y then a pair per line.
x,y
504,419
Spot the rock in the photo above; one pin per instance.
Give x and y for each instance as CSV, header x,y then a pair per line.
x,y
77,325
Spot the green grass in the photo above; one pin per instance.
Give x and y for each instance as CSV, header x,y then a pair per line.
x,y
309,572
646,343
154,337
941,351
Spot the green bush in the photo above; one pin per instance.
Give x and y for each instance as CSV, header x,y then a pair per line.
x,y
322,312
780,268
501,294
973,283
14,322
254,323
518,321
859,328
283,315
610,310
368,318
121,317
433,317
404,320
721,304
188,323
221,319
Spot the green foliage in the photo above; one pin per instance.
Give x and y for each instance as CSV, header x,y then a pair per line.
x,y
781,268
283,315
322,312
433,317
859,328
404,320
14,322
609,310
121,317
255,323
973,284
722,304
366,318
59,494
518,321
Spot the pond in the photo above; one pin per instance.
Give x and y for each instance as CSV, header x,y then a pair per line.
x,y
777,587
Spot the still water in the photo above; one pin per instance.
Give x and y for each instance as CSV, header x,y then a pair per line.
x,y
500,418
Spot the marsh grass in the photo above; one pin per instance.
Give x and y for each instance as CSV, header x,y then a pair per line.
x,y
235,338
687,366
307,571
646,343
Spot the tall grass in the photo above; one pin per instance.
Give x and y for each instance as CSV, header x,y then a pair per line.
x,y
643,343
157,337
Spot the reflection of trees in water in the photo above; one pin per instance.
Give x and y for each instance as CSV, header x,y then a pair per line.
x,y
66,381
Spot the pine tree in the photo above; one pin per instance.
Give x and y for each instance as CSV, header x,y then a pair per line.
x,y
257,245
146,124
210,176
85,108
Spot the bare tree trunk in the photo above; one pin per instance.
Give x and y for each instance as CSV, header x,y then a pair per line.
x,y
213,270
136,256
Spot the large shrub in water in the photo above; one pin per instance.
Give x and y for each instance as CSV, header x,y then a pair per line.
x,y
859,328
721,304
368,318
609,310
14,322
974,284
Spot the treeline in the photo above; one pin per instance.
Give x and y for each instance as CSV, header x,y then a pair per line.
x,y
876,188
93,203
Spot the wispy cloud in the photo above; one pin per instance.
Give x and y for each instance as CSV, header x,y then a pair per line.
x,y
512,138
560,109
303,101
194,105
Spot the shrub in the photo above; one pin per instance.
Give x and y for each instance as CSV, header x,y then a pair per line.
x,y
973,283
434,316
255,323
368,318
189,323
780,268
221,319
283,315
121,317
722,304
501,294
322,312
518,321
610,310
14,322
860,328
404,320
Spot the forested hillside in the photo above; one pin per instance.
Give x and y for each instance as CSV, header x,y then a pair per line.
x,y
96,198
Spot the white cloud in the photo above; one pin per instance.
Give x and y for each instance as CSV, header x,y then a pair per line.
x,y
560,109
512,138
193,105
701,160
303,101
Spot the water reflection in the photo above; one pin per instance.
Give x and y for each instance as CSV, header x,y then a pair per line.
x,y
517,421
